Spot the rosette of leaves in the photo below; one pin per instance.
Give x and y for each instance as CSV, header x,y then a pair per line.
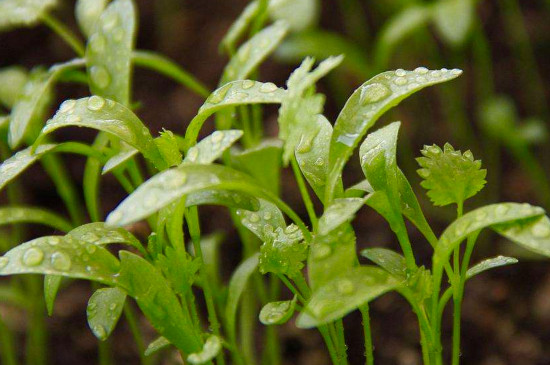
x,y
450,176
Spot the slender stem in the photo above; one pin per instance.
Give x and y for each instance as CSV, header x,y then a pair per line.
x,y
339,325
457,298
194,231
304,192
291,287
169,68
136,333
367,334
330,345
65,33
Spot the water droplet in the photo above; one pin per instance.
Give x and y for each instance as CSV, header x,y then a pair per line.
x,y
54,241
400,81
61,261
97,43
192,154
322,251
421,70
374,93
254,218
247,84
95,103
4,262
541,230
33,257
267,216
400,72
239,96
469,155
100,332
268,87
67,106
100,76
456,71
73,119
345,287
436,74
219,94
217,136
421,79
112,306
305,144
110,21
319,161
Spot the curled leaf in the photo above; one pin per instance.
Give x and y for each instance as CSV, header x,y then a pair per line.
x,y
277,312
212,346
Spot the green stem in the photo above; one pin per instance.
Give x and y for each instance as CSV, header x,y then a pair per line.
x,y
169,68
194,232
304,192
369,356
330,345
65,33
130,316
7,346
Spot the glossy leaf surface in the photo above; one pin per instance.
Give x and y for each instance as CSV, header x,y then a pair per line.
x,y
338,212
212,346
489,264
104,310
87,13
212,147
388,260
277,312
14,13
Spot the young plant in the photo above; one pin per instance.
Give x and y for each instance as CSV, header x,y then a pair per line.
x,y
183,174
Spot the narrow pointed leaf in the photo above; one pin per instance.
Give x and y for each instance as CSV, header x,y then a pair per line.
x,y
224,198
388,260
64,256
98,233
104,309
237,285
212,147
345,293
109,52
22,214
125,154
339,212
232,94
489,264
12,81
157,345
107,116
211,348
19,162
368,103
87,13
239,26
52,283
15,13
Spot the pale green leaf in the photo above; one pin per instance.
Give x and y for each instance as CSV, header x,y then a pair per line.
x,y
87,13
299,14
239,26
453,19
157,345
388,260
283,252
20,161
109,52
211,348
23,214
489,264
264,221
104,309
212,147
168,147
340,211
51,287
98,233
345,293
124,155
12,81
277,312
15,13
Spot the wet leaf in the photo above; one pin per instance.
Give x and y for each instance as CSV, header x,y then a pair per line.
x,y
87,13
16,13
345,293
277,312
109,52
98,233
212,147
104,309
264,221
283,252
299,14
368,103
339,212
52,283
168,148
23,214
211,348
388,260
489,264
157,345
19,162
125,154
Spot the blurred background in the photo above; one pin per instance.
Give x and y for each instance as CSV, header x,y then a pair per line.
x,y
498,109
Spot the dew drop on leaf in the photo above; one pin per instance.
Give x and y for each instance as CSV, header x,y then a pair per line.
x,y
53,241
100,76
67,106
373,93
95,103
254,218
268,87
400,81
91,249
33,257
61,261
97,43
345,287
219,94
100,332
72,119
247,84
421,70
501,209
110,21
400,72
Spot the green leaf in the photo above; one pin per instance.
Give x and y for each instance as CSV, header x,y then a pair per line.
x,y
339,212
52,284
299,14
263,162
16,13
321,44
16,164
253,52
489,264
453,19
239,26
277,312
63,256
450,176
368,103
170,185
211,348
157,345
230,95
400,26
125,154
312,154
87,13
299,107
212,147
237,285
107,116
388,260
331,254
98,233
264,221
512,220
36,95
168,148
104,309
12,81
224,198
22,214
109,52
155,298
179,268
345,293
210,246
283,252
